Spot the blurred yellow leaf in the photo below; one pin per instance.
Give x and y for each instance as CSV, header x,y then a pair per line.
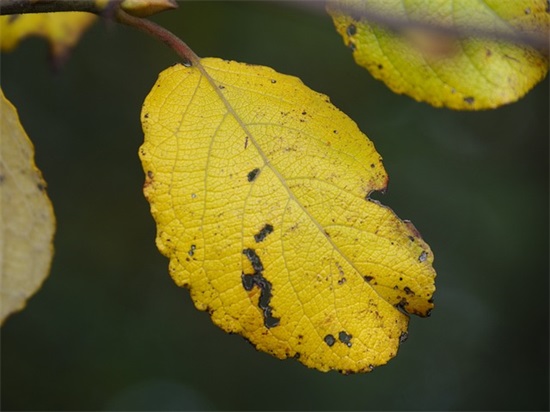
x,y
464,72
144,8
260,190
62,30
28,222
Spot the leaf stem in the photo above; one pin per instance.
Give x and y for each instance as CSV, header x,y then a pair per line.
x,y
160,33
47,6
111,10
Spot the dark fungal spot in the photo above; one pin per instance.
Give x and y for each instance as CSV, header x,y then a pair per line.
x,y
254,260
304,113
408,290
150,174
192,250
253,174
41,187
257,279
345,338
380,67
329,340
341,281
146,115
351,30
372,166
368,278
423,256
221,86
262,234
469,100
403,337
401,306
273,81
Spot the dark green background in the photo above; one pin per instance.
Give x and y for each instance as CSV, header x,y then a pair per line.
x,y
110,330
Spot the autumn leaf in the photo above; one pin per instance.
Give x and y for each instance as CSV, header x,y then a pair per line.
x,y
28,222
62,30
260,190
452,66
144,8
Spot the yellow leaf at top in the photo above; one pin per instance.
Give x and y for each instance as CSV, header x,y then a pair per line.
x,y
62,30
460,70
27,221
144,8
260,190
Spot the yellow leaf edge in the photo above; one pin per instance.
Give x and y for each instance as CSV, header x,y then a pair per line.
x,y
10,117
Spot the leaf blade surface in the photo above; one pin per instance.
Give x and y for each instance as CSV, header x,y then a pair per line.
x,y
259,187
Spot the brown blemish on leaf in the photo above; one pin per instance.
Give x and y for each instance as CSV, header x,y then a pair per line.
x,y
408,290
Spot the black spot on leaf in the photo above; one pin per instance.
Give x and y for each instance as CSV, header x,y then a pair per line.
x,y
469,100
253,174
345,338
192,250
329,340
257,279
351,30
262,234
254,260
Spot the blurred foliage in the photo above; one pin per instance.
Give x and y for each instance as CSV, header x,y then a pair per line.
x,y
110,331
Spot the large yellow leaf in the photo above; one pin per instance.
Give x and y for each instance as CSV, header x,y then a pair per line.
x,y
466,73
62,30
260,190
27,221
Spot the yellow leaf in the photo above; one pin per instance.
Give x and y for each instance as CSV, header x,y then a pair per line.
x,y
144,8
260,190
62,30
28,222
468,73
